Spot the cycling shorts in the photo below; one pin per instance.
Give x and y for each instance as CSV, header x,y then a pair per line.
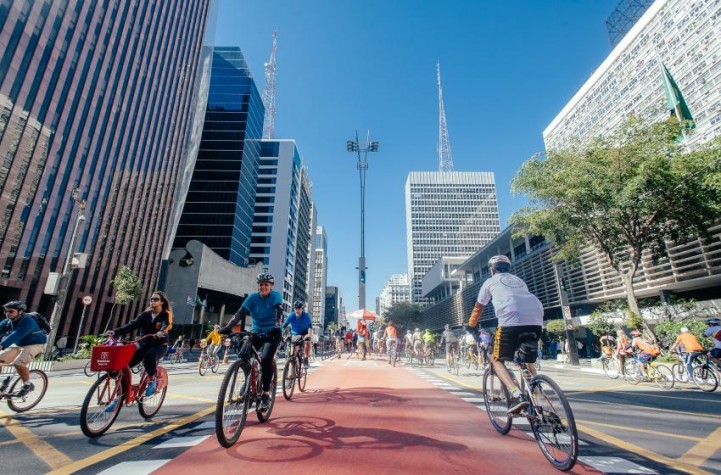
x,y
506,342
644,357
451,345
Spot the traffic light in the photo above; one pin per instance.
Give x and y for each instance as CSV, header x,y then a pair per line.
x,y
363,276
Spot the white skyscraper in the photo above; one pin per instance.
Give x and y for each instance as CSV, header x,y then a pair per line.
x,y
320,275
447,214
397,289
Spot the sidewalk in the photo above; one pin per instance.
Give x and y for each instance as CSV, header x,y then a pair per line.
x,y
368,417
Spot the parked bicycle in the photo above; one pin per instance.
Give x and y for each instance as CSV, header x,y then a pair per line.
x,y
294,369
549,413
11,385
114,387
241,388
207,360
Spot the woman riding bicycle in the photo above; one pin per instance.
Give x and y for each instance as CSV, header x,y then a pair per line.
x,y
156,320
215,339
265,308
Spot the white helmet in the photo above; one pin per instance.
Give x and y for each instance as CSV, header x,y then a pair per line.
x,y
499,264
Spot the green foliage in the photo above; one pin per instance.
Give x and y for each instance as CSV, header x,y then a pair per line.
x,y
84,348
633,320
600,322
404,315
331,327
624,194
557,329
127,285
668,330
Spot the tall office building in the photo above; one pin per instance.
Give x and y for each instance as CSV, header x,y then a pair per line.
x,y
310,279
321,276
218,209
684,36
332,305
304,239
99,97
448,214
280,211
396,290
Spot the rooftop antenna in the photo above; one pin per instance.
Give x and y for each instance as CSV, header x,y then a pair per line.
x,y
445,160
269,92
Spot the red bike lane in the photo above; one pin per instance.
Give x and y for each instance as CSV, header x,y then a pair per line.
x,y
368,417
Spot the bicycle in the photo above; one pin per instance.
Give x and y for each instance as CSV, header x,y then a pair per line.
x,y
660,375
429,356
549,413
208,361
12,385
610,366
294,369
455,362
175,355
339,348
114,388
704,376
240,388
392,351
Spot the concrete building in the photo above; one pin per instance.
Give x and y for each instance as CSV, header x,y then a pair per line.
x,y
305,234
441,281
105,98
397,289
332,305
321,277
450,214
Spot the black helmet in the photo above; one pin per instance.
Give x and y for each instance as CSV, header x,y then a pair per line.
x,y
298,304
713,321
499,264
16,304
265,277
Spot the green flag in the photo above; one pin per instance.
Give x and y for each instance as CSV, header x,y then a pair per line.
x,y
674,99
198,302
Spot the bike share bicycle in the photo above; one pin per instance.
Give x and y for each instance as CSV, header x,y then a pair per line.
x,y
241,388
294,369
549,413
114,387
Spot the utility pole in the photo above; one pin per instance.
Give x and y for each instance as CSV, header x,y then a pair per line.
x,y
567,318
354,146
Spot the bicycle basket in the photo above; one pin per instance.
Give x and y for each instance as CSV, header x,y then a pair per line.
x,y
111,358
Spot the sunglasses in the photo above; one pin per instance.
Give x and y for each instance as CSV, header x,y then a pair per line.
x,y
155,299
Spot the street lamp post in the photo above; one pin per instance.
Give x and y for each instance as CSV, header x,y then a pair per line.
x,y
354,146
65,276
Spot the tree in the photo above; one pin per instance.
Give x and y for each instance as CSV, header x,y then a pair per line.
x,y
626,194
403,314
557,329
601,322
128,288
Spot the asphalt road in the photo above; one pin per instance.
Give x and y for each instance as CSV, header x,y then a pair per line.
x,y
623,428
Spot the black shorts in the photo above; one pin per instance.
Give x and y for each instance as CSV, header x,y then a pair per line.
x,y
451,345
506,342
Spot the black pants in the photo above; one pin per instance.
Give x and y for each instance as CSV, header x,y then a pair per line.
x,y
149,355
266,345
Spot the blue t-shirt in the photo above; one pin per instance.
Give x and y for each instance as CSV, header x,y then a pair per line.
x,y
299,325
262,310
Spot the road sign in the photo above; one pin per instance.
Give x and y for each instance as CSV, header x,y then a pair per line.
x,y
87,300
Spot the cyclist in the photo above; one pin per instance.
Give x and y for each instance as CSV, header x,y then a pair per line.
x,y
485,339
24,342
156,320
429,341
470,344
215,340
450,339
391,336
363,337
265,308
646,352
339,334
714,332
518,311
691,346
418,343
301,326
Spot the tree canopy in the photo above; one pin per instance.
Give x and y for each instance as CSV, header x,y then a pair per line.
x,y
624,194
403,314
127,285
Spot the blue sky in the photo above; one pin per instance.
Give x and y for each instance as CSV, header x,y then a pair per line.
x,y
508,67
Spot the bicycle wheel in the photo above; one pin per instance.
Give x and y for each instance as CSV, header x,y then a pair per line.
x,y
264,414
216,364
553,424
148,406
610,367
457,365
102,404
662,376
288,379
632,372
679,372
203,365
88,372
496,399
538,363
302,376
705,378
21,404
231,409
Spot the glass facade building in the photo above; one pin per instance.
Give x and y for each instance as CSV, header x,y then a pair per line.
x,y
100,97
320,276
219,206
450,214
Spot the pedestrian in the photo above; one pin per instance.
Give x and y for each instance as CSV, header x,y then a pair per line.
x,y
62,343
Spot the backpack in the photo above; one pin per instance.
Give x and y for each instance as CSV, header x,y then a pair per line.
x,y
717,335
41,321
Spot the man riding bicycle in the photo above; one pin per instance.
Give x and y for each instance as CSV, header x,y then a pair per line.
x,y
646,352
215,339
450,339
156,320
429,342
391,337
418,343
265,308
24,342
519,313
301,326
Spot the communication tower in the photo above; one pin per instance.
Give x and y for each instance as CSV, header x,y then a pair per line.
x,y
269,92
445,160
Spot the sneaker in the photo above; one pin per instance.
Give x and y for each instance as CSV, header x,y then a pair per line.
x,y
27,387
112,405
264,402
5,384
516,405
150,388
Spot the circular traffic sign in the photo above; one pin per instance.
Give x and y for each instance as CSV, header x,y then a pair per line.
x,y
87,300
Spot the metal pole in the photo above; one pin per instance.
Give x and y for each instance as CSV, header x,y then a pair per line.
x,y
80,328
567,318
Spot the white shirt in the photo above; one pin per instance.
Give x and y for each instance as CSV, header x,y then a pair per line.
x,y
514,305
710,332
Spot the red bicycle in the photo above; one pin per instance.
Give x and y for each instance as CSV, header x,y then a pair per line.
x,y
114,387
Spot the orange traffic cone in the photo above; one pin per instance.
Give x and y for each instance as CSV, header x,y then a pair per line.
x,y
225,356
